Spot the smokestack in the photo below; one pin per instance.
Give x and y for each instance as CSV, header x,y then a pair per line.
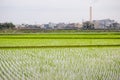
x,y
90,13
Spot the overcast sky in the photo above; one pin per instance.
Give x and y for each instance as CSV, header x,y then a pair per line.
x,y
44,11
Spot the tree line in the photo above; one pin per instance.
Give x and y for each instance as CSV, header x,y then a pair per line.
x,y
6,26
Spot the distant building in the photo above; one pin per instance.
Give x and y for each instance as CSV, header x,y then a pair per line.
x,y
115,26
78,25
27,26
46,26
60,26
71,26
21,26
51,25
103,24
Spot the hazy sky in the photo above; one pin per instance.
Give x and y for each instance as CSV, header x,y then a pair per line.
x,y
44,11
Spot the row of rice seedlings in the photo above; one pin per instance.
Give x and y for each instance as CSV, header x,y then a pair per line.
x,y
13,70
23,62
99,68
4,68
48,56
29,65
33,63
3,72
6,71
17,69
69,63
10,68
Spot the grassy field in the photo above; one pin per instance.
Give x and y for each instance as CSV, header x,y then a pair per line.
x,y
38,57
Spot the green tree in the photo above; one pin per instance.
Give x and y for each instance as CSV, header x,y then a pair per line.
x,y
88,25
7,26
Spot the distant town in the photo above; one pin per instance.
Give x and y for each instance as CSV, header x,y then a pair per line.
x,y
96,24
87,25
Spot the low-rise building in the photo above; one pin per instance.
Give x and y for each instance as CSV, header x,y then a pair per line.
x,y
103,24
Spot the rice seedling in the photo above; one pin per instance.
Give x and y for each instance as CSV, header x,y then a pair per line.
x,y
60,63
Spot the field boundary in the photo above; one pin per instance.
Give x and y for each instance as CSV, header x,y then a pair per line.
x,y
84,33
61,46
59,37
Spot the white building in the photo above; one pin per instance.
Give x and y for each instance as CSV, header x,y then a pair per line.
x,y
103,24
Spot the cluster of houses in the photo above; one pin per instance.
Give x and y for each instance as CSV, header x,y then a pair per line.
x,y
98,24
50,26
106,24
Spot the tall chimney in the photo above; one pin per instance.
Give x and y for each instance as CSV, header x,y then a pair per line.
x,y
90,13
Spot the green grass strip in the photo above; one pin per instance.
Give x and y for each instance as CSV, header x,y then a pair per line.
x,y
60,37
60,46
